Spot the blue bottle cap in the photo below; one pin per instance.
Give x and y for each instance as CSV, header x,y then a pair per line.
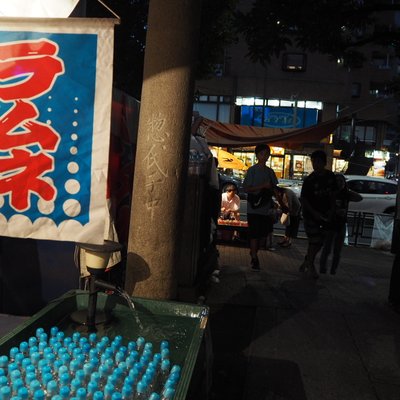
x,y
53,331
92,387
23,392
76,336
32,341
154,396
176,368
3,381
165,365
12,366
65,379
148,353
47,377
30,368
140,341
80,375
60,336
34,385
174,375
112,379
67,341
127,391
119,357
50,358
123,366
16,374
95,377
25,362
129,381
98,395
33,349
30,376
103,370
93,337
169,393
57,364
39,394
81,393
42,345
17,384
39,331
75,385
141,387
81,358
164,353
116,396
65,392
5,392
164,344
19,357
109,389
63,369
105,340
157,358
56,397
83,340
74,365
95,362
43,337
13,352
86,347
41,363
3,361
52,387
131,345
148,346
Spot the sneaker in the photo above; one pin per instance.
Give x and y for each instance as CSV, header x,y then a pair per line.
x,y
271,248
255,264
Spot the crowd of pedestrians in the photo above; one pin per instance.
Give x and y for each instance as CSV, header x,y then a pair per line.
x,y
323,205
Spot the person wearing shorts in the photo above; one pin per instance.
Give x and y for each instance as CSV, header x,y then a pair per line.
x,y
318,202
259,178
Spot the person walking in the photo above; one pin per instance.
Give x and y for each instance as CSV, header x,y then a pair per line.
x,y
260,183
290,218
337,229
318,203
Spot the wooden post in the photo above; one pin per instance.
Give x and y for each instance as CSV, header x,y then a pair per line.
x,y
162,148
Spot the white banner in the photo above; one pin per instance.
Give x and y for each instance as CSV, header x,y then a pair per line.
x,y
55,106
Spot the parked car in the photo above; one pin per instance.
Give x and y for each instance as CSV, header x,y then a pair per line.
x,y
225,180
379,194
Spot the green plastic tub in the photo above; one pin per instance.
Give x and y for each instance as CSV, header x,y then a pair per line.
x,y
181,324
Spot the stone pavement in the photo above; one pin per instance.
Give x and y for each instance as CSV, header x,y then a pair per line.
x,y
278,335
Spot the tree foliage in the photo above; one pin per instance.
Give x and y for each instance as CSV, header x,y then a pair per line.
x,y
338,28
217,31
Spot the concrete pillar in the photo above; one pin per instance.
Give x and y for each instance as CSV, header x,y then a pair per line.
x,y
162,148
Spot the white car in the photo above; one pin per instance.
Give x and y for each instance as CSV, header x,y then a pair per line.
x,y
379,194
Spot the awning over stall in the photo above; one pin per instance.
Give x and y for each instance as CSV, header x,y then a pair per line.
x,y
234,135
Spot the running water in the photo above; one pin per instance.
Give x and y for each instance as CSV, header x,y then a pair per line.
x,y
131,305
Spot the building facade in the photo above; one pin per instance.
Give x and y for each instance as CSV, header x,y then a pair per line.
x,y
299,89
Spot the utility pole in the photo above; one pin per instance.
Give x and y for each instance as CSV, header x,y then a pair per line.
x,y
162,148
